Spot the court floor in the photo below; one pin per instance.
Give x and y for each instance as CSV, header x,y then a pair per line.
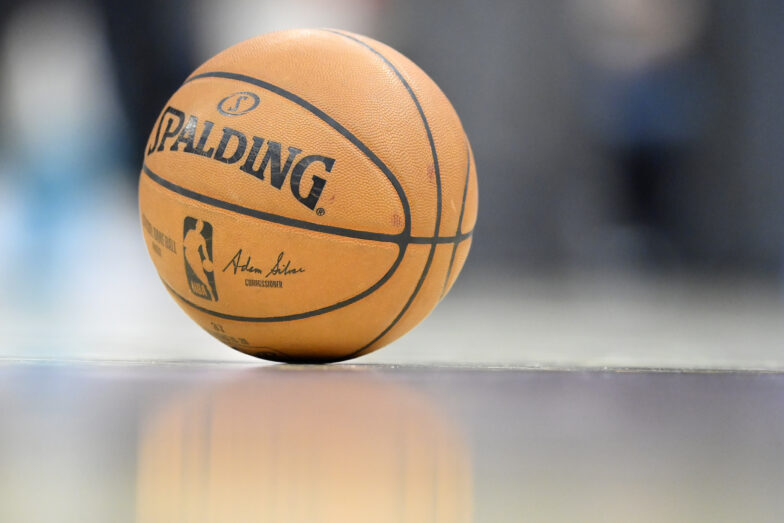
x,y
518,399
179,441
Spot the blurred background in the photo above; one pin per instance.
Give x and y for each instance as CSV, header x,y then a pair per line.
x,y
631,215
628,151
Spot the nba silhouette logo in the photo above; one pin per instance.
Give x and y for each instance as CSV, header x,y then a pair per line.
x,y
197,252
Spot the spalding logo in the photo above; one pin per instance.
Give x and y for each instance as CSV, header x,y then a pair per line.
x,y
238,104
234,147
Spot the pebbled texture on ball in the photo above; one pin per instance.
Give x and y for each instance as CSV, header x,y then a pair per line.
x,y
308,195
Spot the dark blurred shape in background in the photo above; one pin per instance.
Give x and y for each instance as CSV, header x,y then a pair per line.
x,y
615,133
152,49
644,82
630,137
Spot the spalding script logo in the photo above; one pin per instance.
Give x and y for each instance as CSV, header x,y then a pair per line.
x,y
234,148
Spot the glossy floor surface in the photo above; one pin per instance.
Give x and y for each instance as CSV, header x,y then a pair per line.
x,y
242,442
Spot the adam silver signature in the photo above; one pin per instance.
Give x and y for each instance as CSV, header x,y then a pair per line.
x,y
281,267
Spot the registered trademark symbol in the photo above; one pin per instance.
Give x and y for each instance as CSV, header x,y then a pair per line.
x,y
320,211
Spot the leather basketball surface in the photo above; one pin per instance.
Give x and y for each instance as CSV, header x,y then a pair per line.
x,y
308,195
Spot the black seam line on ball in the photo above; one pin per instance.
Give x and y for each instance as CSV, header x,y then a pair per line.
x,y
331,122
274,218
437,170
398,239
459,221
440,240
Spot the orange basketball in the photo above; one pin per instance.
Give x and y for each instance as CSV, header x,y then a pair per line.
x,y
308,195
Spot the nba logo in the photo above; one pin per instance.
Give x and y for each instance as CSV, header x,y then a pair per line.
x,y
197,252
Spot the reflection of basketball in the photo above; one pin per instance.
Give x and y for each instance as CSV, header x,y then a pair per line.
x,y
340,448
340,187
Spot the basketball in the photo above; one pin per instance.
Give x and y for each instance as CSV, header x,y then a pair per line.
x,y
308,195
